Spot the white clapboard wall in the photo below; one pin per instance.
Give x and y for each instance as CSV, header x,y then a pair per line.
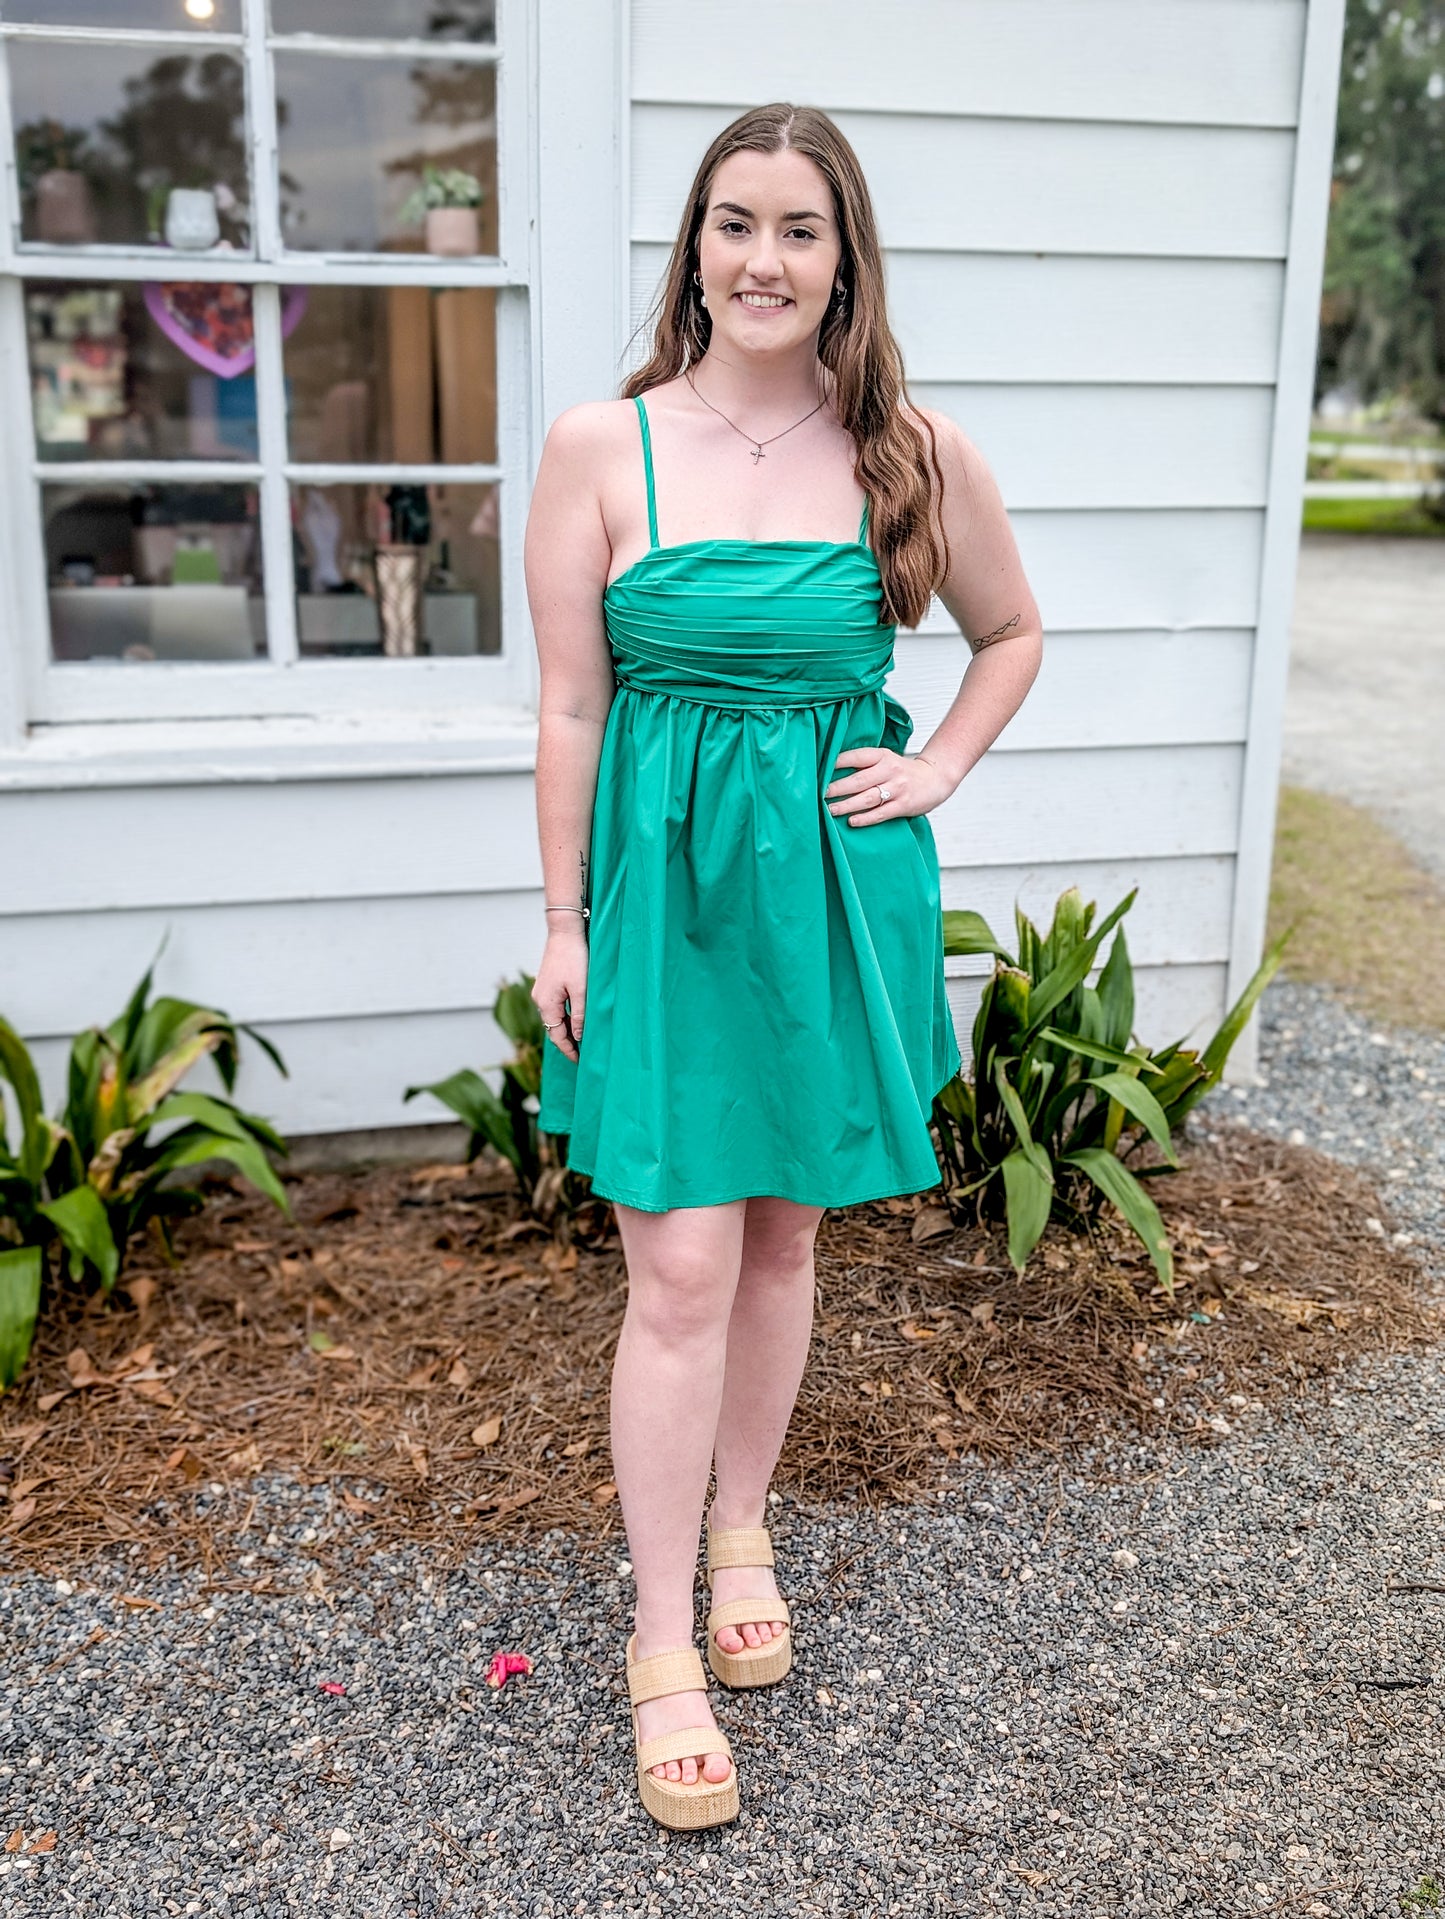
x,y
1103,222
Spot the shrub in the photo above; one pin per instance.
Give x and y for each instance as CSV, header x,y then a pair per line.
x,y
79,1186
1061,1095
508,1121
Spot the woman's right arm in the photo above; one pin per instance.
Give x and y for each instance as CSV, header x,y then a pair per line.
x,y
567,555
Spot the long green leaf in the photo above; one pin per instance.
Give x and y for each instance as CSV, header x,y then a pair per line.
x,y
1118,1184
1237,1018
1069,973
1116,994
221,1116
1141,1103
79,1216
968,932
1013,1106
35,1144
472,1099
1091,1049
191,1146
1028,1196
19,1303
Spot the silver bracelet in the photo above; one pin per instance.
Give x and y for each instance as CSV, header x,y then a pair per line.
x,y
585,911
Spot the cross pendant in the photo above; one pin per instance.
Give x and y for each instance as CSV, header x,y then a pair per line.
x,y
758,454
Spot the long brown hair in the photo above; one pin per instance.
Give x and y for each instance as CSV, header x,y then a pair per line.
x,y
855,343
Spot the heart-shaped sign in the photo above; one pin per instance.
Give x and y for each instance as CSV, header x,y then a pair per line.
x,y
210,321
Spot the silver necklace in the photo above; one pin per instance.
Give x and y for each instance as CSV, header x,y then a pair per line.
x,y
757,444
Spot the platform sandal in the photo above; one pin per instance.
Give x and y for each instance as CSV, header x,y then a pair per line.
x,y
671,1803
754,1665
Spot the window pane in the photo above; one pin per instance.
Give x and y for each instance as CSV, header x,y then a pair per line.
x,y
395,374
127,145
396,571
388,19
154,572
172,15
354,136
125,371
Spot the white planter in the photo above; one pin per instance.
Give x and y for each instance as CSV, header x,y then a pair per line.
x,y
192,222
453,230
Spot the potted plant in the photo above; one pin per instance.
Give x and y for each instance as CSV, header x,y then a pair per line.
x,y
48,155
448,200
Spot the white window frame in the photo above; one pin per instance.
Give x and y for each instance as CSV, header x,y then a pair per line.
x,y
546,84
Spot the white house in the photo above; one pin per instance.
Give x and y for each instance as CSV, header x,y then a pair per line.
x,y
1104,223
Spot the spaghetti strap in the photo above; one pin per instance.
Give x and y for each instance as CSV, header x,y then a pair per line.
x,y
647,464
863,524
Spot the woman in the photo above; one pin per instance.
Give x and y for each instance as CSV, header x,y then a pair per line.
x,y
742,890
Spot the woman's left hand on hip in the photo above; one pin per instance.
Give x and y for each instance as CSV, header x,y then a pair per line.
x,y
913,785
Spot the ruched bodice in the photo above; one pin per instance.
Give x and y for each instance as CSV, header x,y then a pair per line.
x,y
765,1008
751,622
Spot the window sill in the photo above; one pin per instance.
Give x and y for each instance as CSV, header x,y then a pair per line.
x,y
220,752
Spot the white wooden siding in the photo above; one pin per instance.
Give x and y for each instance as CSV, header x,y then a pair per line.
x,y
1103,221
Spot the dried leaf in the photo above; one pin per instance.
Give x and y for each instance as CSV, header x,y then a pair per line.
x,y
487,1433
42,1842
16,1840
460,1375
141,1291
602,1495
982,1311
20,1512
930,1223
578,1449
136,1360
910,1329
153,1390
423,1376
247,1459
429,1175
47,1402
136,1602
81,1368
336,1352
360,1507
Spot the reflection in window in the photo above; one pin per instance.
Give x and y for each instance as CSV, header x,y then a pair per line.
x,y
170,15
354,136
388,19
125,146
141,572
394,374
396,571
157,371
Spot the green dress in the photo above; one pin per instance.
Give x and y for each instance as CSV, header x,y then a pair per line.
x,y
765,1006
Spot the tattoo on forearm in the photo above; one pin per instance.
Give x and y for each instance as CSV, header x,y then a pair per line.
x,y
999,633
582,877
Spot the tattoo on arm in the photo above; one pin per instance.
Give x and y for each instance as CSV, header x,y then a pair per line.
x,y
999,633
582,877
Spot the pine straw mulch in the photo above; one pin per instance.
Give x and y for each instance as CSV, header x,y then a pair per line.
x,y
415,1340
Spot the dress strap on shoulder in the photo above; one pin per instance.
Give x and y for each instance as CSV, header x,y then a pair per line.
x,y
647,467
863,523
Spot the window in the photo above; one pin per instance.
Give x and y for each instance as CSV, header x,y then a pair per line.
x,y
269,413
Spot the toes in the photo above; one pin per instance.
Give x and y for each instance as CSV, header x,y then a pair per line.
x,y
729,1639
750,1634
689,1772
716,1768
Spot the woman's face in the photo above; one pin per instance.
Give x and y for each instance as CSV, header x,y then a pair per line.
x,y
770,229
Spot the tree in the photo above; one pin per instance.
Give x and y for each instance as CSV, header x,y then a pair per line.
x,y
1382,317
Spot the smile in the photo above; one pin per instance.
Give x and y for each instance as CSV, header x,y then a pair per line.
x,y
763,301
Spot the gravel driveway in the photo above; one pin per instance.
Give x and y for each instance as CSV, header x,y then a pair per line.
x,y
1153,1679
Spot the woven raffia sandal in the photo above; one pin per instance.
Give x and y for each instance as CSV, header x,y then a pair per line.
x,y
754,1665
671,1803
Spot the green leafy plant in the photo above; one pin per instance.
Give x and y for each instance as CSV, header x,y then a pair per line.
x,y
1061,1094
441,187
507,1120
77,1187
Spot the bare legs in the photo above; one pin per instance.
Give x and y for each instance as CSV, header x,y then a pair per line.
x,y
768,1337
719,1312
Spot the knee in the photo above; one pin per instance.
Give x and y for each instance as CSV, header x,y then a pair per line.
x,y
681,1300
778,1244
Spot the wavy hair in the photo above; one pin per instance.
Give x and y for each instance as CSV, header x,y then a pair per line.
x,y
902,479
